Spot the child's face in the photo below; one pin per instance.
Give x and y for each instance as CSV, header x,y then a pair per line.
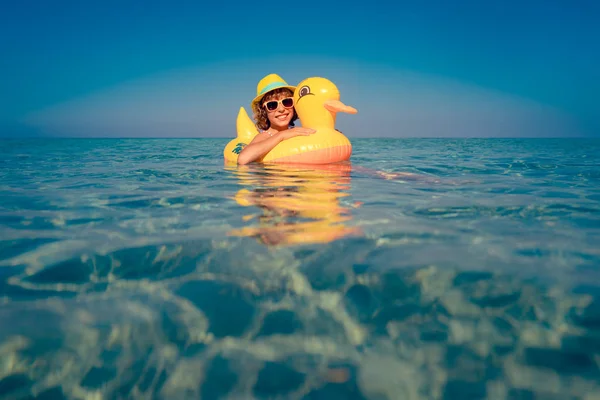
x,y
280,117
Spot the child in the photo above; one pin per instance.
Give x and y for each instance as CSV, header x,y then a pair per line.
x,y
274,114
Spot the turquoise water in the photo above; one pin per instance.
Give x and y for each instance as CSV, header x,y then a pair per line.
x,y
425,269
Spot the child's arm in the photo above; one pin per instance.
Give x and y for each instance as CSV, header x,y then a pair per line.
x,y
263,143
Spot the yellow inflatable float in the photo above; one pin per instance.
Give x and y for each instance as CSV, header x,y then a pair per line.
x,y
317,102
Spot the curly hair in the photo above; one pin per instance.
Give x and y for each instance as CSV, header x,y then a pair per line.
x,y
260,114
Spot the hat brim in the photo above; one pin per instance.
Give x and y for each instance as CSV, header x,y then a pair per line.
x,y
260,96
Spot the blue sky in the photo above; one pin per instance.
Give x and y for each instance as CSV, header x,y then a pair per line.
x,y
434,68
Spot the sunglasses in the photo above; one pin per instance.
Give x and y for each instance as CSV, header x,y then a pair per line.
x,y
272,105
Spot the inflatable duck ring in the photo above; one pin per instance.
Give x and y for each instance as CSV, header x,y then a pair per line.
x,y
317,102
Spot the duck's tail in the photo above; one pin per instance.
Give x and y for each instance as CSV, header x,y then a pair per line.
x,y
246,130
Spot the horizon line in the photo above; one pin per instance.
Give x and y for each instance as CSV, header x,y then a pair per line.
x,y
232,138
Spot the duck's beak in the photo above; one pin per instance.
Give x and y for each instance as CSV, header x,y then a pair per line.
x,y
338,106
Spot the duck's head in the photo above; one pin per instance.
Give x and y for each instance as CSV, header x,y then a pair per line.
x,y
317,101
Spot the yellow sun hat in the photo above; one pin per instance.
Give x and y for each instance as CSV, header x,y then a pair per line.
x,y
268,83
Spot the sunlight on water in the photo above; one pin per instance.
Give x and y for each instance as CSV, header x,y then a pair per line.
x,y
424,269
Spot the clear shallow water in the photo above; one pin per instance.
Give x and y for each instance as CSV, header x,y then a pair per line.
x,y
145,269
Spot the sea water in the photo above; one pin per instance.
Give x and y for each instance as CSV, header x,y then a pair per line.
x,y
422,269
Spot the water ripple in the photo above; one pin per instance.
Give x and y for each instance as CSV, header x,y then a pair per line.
x,y
423,269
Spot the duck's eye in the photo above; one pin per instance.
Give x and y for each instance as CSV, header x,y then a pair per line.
x,y
304,90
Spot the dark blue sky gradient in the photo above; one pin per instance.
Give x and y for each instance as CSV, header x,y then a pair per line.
x,y
546,51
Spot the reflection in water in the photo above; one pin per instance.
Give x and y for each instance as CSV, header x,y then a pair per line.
x,y
297,203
